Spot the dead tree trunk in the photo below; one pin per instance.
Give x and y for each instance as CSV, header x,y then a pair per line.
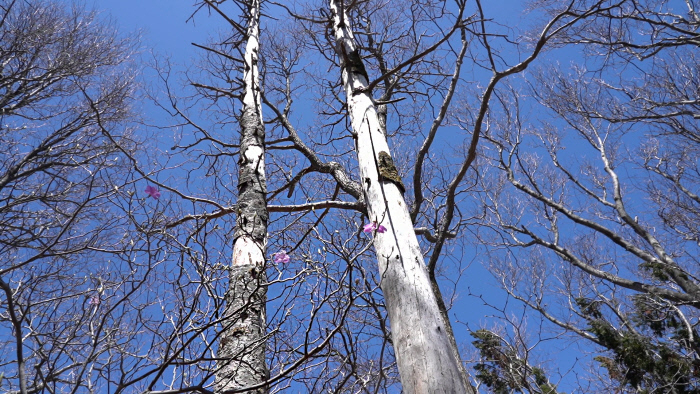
x,y
242,341
421,344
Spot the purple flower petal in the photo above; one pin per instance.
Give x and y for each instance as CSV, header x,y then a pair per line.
x,y
94,300
281,257
152,192
381,229
370,227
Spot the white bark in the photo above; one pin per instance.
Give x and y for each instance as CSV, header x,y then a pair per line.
x,y
242,341
421,344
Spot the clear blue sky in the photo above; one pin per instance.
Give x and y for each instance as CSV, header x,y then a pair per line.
x,y
160,22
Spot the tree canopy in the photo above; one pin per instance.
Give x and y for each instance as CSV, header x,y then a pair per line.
x,y
309,203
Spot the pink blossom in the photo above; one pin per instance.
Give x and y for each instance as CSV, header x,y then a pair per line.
x,y
281,257
371,227
94,300
152,192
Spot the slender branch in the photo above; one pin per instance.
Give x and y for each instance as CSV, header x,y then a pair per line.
x,y
434,127
410,61
17,330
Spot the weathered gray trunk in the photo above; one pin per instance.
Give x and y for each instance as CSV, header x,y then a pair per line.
x,y
241,351
425,359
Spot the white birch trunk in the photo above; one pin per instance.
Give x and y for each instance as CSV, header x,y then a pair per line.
x,y
421,344
241,354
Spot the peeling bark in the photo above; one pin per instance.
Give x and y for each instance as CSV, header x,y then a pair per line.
x,y
241,351
421,344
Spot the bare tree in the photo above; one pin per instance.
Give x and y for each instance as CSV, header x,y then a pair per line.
x,y
307,308
65,101
425,358
597,196
412,65
242,342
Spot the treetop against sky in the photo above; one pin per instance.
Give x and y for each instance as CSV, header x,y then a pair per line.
x,y
349,196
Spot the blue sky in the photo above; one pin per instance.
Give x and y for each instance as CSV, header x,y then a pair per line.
x,y
161,23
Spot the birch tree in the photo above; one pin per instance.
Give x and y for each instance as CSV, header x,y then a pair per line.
x,y
241,353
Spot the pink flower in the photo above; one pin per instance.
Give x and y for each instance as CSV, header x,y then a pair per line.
x,y
371,227
94,300
281,257
152,192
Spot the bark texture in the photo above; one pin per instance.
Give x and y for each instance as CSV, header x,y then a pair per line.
x,y
241,351
425,359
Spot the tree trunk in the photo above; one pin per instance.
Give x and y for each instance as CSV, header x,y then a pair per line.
x,y
242,340
423,352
